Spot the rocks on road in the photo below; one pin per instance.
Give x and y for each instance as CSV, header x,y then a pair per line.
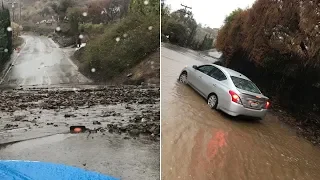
x,y
133,110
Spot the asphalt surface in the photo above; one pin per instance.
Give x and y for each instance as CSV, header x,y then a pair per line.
x,y
200,143
43,94
41,62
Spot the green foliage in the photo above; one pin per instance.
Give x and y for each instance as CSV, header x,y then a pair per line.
x,y
139,7
139,37
232,15
64,5
206,43
177,32
92,28
5,36
180,26
75,17
276,44
61,7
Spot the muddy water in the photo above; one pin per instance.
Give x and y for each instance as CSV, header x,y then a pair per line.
x,y
199,143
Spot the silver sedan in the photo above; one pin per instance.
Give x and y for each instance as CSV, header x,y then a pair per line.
x,y
226,90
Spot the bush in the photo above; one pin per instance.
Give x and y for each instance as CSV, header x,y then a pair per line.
x,y
177,32
278,48
92,28
109,57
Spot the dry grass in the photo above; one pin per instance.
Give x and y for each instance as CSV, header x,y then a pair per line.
x,y
147,71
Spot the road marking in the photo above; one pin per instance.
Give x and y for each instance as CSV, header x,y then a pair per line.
x,y
14,60
64,54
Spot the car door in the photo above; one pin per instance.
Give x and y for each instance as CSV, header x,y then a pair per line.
x,y
200,76
192,76
218,85
206,85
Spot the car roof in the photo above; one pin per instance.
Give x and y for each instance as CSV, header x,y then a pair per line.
x,y
231,72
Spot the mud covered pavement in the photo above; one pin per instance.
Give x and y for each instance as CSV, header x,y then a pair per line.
x,y
200,143
123,128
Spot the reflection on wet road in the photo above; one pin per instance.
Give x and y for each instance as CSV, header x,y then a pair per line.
x,y
42,62
200,143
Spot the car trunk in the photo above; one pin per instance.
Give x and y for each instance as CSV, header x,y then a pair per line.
x,y
252,100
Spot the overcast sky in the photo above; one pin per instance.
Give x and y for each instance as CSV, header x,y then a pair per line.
x,y
210,12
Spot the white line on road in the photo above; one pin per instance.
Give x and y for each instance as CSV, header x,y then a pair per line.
x,y
70,61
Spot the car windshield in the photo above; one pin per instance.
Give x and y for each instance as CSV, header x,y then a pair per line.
x,y
245,85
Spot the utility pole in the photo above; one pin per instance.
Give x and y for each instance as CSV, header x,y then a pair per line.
x,y
186,10
20,6
186,7
193,29
13,6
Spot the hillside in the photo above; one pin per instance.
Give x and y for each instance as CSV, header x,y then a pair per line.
x,y
202,31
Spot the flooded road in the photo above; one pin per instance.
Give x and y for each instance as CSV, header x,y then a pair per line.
x,y
41,62
200,143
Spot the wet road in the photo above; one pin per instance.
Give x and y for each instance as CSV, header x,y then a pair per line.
x,y
200,143
107,154
124,124
41,62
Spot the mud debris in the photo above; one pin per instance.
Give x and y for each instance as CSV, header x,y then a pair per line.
x,y
20,118
69,115
130,110
9,126
96,123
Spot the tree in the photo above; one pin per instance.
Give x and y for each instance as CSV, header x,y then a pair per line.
x,y
75,16
280,39
232,15
95,10
105,11
5,35
177,32
62,7
180,26
139,6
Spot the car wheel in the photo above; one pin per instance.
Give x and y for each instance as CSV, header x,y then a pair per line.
x,y
213,101
183,78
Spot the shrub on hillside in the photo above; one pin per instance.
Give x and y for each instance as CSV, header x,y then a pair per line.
x,y
92,29
137,36
177,32
277,44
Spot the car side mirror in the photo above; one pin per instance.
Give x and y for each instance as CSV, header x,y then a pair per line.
x,y
195,67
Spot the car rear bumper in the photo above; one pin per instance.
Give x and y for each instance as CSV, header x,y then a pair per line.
x,y
235,109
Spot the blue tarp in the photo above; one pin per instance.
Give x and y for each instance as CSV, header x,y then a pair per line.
x,y
34,170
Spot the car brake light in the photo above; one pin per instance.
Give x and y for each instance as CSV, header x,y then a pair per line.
x,y
234,97
267,105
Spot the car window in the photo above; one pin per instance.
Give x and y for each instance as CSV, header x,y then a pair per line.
x,y
217,74
245,85
205,68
